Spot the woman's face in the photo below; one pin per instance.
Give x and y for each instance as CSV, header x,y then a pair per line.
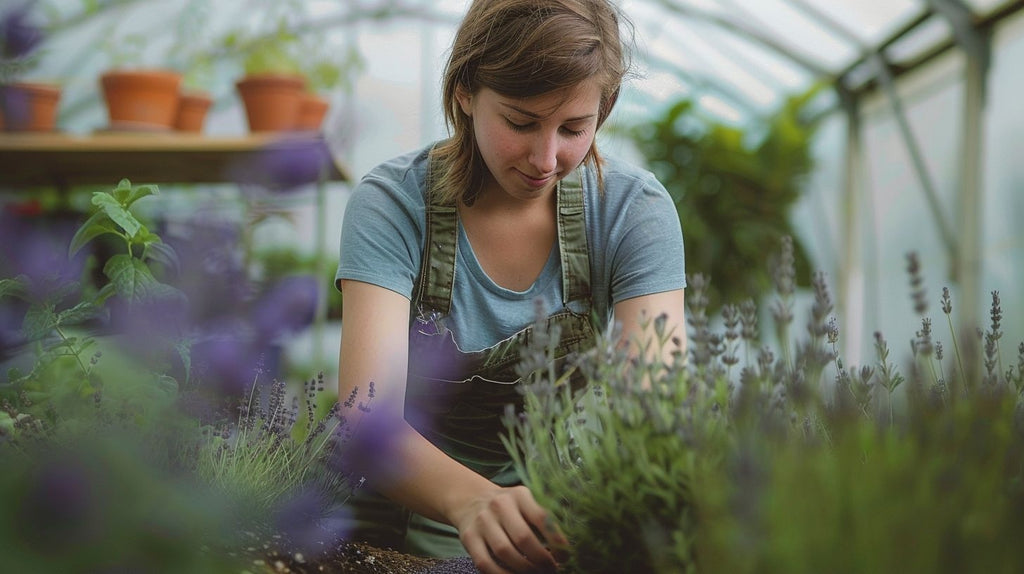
x,y
529,144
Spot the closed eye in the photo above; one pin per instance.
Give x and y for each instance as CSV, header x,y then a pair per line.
x,y
523,128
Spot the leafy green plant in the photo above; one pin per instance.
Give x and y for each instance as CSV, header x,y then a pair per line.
x,y
67,370
743,458
733,189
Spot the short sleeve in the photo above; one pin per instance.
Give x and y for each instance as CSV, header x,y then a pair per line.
x,y
647,253
381,233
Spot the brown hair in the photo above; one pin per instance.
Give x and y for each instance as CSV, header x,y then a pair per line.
x,y
524,48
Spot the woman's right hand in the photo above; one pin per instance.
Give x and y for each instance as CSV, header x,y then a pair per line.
x,y
506,530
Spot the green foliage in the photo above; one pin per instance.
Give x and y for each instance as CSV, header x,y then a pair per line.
x,y
273,53
67,366
733,189
779,461
100,502
111,463
265,457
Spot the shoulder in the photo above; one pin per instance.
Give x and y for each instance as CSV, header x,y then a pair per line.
x,y
623,176
407,171
625,184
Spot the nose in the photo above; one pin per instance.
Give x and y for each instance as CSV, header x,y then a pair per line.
x,y
544,153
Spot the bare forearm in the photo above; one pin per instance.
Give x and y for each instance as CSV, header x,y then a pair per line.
x,y
426,480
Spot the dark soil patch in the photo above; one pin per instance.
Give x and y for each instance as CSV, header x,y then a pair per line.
x,y
358,558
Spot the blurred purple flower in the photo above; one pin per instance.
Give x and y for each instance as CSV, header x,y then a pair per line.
x,y
212,270
287,307
434,352
60,509
38,249
284,165
370,450
310,524
19,34
14,107
228,358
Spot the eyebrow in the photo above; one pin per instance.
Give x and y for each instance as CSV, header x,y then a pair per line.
x,y
532,115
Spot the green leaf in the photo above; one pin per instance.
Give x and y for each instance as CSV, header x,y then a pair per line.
x,y
134,281
77,314
130,277
122,192
97,224
184,348
117,213
167,385
17,287
164,254
106,292
139,192
40,320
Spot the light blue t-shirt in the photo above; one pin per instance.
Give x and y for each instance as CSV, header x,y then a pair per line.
x,y
633,234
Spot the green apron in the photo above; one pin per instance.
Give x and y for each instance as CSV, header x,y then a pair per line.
x,y
456,399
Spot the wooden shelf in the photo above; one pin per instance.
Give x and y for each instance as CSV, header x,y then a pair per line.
x,y
105,158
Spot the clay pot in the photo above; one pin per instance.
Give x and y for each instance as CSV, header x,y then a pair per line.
x,y
272,101
192,108
141,99
312,112
29,107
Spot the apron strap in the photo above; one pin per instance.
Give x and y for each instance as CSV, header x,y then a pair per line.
x,y
572,239
437,271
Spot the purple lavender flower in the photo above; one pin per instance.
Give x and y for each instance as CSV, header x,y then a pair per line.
x,y
18,33
226,359
37,249
287,307
310,523
283,166
370,449
60,509
212,273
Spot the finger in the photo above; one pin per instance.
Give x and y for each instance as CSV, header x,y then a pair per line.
x,y
540,519
529,544
481,555
506,552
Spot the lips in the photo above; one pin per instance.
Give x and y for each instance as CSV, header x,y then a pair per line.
x,y
536,181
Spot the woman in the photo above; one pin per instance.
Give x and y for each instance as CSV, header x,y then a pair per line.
x,y
448,252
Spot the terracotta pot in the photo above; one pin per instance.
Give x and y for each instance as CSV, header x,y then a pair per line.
x,y
141,99
29,107
192,108
312,112
272,101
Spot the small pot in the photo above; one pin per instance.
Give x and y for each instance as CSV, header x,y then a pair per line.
x,y
29,107
272,101
192,108
312,112
141,99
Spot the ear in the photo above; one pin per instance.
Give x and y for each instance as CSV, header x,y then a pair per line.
x,y
465,100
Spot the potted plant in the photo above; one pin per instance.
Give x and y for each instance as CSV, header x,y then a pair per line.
x,y
273,85
138,98
25,106
194,101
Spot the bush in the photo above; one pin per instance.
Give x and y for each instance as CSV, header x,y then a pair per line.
x,y
740,458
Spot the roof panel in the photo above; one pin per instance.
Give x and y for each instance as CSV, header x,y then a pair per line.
x,y
871,21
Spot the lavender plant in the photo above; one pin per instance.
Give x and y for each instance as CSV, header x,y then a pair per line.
x,y
158,479
781,461
279,448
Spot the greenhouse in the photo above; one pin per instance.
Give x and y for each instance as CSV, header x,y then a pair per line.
x,y
842,390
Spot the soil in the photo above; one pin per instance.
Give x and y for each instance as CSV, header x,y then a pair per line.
x,y
358,558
